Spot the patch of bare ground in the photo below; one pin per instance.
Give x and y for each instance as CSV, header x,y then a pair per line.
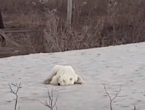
x,y
95,23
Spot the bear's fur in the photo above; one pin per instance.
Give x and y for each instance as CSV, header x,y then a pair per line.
x,y
62,76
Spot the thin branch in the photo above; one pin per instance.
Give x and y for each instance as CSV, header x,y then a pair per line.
x,y
111,99
134,107
51,103
18,86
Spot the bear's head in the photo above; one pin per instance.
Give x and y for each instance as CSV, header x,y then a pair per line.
x,y
65,80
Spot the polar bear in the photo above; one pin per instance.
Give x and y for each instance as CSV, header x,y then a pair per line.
x,y
62,76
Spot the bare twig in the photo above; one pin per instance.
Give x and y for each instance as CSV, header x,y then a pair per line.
x,y
18,86
111,99
134,107
51,103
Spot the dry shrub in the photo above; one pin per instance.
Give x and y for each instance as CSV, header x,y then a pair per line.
x,y
95,23
60,37
126,23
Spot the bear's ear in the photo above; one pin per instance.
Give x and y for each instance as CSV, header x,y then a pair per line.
x,y
79,80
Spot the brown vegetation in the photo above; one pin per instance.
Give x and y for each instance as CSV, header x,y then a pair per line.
x,y
95,23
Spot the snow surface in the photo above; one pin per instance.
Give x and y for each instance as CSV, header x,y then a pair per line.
x,y
114,66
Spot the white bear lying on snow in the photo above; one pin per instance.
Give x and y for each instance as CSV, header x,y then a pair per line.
x,y
63,75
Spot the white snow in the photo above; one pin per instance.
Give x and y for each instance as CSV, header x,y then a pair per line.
x,y
114,66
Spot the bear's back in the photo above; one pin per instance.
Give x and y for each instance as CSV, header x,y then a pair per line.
x,y
68,70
